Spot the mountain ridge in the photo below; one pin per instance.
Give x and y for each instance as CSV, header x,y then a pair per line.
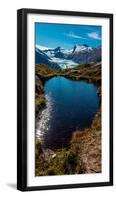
x,y
79,54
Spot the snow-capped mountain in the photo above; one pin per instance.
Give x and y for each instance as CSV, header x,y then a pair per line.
x,y
78,48
79,54
85,54
63,58
58,52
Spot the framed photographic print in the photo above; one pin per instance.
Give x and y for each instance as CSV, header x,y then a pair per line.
x,y
65,99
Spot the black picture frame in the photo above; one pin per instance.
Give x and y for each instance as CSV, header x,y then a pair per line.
x,y
22,98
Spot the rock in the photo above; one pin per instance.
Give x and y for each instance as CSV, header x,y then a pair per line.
x,y
54,155
48,154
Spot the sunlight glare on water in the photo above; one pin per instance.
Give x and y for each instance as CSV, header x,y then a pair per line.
x,y
43,123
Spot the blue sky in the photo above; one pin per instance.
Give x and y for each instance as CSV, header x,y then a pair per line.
x,y
66,36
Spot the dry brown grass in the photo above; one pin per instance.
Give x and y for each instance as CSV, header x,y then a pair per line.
x,y
89,141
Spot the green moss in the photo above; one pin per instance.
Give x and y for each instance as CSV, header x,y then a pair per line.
x,y
40,102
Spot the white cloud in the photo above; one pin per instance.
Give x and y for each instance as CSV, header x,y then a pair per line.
x,y
94,35
72,35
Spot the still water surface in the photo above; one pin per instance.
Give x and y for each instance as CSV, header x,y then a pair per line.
x,y
71,105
